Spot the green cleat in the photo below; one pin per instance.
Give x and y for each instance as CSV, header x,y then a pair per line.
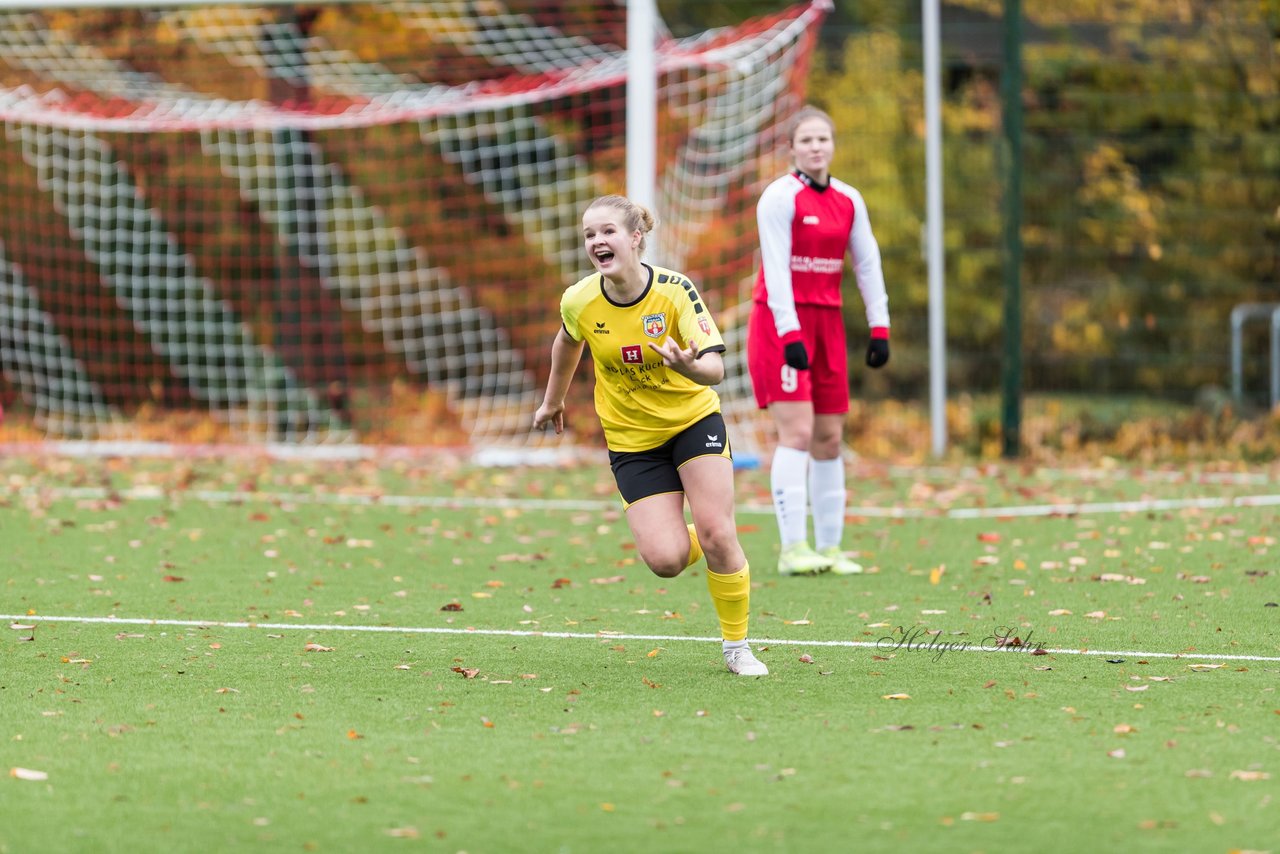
x,y
800,559
841,563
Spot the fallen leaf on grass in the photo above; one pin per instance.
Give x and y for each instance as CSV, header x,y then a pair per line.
x,y
451,606
467,672
28,774
806,659
895,697
1249,776
1115,576
980,816
1201,666
315,647
403,832
612,579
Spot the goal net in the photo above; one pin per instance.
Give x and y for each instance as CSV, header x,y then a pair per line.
x,y
350,224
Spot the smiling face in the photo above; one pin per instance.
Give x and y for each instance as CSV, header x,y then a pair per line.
x,y
610,246
812,146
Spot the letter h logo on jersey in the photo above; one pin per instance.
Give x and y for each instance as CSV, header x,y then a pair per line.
x,y
632,355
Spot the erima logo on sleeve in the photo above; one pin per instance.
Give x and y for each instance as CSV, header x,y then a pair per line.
x,y
714,441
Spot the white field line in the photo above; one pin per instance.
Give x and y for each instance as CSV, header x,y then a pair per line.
x,y
1093,475
440,501
25,620
569,453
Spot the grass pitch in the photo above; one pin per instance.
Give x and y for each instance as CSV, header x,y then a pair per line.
x,y
281,656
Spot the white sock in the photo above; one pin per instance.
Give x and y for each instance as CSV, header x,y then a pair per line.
x,y
728,645
826,490
789,479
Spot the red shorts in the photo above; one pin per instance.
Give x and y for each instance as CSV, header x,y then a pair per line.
x,y
826,383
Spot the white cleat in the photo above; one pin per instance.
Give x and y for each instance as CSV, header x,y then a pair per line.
x,y
800,559
841,563
740,660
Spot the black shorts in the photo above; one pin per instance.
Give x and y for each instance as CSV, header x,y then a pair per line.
x,y
640,474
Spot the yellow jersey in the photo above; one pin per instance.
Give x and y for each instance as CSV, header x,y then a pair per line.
x,y
641,402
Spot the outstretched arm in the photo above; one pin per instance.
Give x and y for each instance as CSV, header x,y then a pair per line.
x,y
565,355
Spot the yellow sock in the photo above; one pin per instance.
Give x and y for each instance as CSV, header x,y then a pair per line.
x,y
695,547
731,594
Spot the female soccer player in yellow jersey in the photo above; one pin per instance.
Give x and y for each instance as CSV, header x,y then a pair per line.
x,y
657,352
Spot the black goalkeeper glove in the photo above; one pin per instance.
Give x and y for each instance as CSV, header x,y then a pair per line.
x,y
878,349
796,356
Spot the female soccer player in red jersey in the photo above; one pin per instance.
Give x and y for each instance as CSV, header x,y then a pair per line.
x,y
796,350
657,351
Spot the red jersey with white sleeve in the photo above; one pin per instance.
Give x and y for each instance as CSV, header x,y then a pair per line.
x,y
805,231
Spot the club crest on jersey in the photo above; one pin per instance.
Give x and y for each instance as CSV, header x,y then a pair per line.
x,y
632,355
704,325
655,325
